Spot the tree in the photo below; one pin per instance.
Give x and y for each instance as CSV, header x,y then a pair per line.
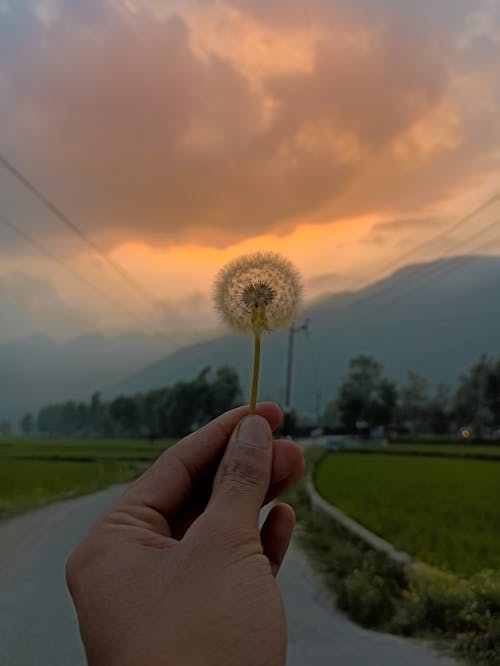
x,y
173,411
125,415
477,399
365,395
27,424
438,411
95,412
357,390
49,419
384,403
225,392
5,429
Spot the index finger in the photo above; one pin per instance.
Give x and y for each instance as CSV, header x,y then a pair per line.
x,y
169,482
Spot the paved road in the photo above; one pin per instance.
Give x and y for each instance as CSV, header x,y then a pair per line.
x,y
38,626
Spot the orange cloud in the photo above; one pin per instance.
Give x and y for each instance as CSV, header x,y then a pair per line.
x,y
208,123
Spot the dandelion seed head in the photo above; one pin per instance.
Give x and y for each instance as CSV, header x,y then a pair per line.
x,y
258,292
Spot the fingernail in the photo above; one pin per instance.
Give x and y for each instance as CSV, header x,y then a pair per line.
x,y
254,431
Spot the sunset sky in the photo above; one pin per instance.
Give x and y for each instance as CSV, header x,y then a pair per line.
x,y
179,134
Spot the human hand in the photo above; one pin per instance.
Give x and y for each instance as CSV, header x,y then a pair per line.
x,y
176,573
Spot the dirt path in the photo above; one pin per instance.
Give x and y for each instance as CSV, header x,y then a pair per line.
x,y
38,626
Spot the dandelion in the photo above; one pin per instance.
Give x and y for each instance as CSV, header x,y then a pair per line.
x,y
258,293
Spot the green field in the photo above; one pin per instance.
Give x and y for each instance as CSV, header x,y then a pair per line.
x,y
450,449
445,512
35,472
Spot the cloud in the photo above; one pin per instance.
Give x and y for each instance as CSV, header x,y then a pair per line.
x,y
411,223
188,319
151,123
325,283
29,306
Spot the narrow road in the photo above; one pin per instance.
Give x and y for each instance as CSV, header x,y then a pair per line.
x,y
38,626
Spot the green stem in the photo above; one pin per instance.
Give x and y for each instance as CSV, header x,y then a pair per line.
x,y
255,380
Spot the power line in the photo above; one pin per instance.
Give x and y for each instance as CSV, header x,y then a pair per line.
x,y
62,217
436,273
442,234
445,271
440,272
417,269
50,255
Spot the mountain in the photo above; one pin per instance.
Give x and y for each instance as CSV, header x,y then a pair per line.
x,y
37,371
433,318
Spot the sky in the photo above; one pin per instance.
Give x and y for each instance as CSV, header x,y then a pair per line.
x,y
179,135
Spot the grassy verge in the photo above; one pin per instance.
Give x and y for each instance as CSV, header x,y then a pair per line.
x,y
464,613
36,472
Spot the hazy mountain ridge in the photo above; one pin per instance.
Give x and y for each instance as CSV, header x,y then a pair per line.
x,y
36,371
429,318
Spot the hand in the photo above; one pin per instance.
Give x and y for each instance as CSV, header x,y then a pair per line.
x,y
176,573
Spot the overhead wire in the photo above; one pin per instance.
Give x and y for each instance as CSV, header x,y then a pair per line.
x,y
443,272
429,273
464,221
75,229
442,234
49,255
436,272
71,271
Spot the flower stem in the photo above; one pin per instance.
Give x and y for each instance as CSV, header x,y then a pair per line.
x,y
255,380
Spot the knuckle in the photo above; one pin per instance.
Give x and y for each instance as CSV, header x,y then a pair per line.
x,y
243,471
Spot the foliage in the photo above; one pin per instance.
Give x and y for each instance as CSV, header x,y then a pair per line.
x,y
419,410
27,424
477,400
417,407
169,412
467,610
5,428
365,395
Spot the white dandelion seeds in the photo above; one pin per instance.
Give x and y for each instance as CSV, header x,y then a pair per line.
x,y
255,293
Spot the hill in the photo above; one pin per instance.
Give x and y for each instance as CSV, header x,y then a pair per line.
x,y
433,318
36,371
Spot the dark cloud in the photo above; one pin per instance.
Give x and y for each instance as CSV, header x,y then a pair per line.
x,y
119,120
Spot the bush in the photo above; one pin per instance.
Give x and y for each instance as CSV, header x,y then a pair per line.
x,y
366,598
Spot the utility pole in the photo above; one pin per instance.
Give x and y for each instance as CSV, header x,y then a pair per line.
x,y
288,392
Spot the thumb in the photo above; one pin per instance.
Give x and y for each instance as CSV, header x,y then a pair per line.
x,y
244,474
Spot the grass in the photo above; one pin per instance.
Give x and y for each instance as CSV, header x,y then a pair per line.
x,y
98,449
449,449
36,472
445,512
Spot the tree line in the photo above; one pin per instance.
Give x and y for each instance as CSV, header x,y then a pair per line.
x,y
168,412
366,401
